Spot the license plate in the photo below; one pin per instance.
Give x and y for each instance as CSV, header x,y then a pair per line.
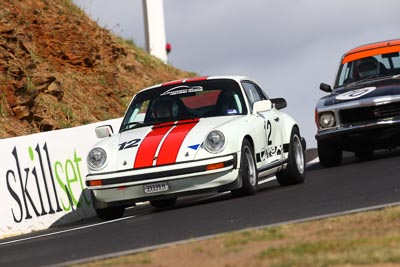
x,y
155,188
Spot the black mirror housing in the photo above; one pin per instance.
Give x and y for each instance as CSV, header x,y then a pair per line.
x,y
325,87
279,103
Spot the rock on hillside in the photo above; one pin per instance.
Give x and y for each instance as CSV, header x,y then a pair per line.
x,y
59,69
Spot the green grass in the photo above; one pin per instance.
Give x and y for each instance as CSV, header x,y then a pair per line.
x,y
236,242
363,239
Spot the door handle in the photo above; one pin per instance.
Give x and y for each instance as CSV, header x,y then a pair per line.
x,y
276,119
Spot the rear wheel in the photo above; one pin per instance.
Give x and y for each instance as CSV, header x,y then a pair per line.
x,y
248,171
295,169
329,153
163,203
110,213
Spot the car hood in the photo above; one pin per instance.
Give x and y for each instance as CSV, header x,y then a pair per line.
x,y
161,144
358,91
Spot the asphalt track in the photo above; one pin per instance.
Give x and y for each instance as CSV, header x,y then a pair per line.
x,y
351,187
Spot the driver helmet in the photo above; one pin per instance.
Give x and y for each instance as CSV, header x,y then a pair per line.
x,y
164,108
368,67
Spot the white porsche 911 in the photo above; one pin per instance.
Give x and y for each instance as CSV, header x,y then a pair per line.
x,y
206,134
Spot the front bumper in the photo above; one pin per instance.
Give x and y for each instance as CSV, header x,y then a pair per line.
x,y
372,135
127,187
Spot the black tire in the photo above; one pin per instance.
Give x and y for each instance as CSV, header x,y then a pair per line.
x,y
110,213
330,155
364,155
163,203
248,172
296,166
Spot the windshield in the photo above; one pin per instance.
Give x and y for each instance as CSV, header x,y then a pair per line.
x,y
369,67
208,98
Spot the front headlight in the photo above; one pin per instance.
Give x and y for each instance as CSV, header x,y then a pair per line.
x,y
97,158
327,120
214,142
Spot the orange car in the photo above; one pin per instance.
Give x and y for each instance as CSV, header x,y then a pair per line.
x,y
361,114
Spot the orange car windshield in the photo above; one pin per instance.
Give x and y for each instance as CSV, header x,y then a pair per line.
x,y
368,64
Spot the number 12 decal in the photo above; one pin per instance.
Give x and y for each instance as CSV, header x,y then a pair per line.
x,y
129,144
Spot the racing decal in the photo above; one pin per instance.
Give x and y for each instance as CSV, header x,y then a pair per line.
x,y
271,152
355,93
194,147
149,145
269,130
260,156
162,144
232,111
274,151
183,89
172,143
286,148
129,144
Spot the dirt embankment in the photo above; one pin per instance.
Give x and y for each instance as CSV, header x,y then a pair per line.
x,y
59,69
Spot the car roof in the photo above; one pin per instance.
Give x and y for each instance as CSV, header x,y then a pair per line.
x,y
372,49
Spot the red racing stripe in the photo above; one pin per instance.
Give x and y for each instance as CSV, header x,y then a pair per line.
x,y
172,143
149,145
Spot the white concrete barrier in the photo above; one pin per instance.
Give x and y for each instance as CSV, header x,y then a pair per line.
x,y
42,178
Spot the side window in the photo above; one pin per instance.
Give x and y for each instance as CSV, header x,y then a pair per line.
x,y
263,95
252,93
139,112
396,62
344,74
384,61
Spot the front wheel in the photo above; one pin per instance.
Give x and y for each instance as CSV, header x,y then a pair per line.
x,y
110,213
296,167
330,155
248,171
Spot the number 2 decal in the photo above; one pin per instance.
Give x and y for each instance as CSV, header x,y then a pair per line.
x,y
269,131
129,144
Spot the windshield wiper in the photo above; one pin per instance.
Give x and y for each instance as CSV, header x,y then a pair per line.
x,y
370,78
135,124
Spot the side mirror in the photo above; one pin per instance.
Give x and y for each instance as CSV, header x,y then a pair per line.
x,y
325,87
104,131
279,103
261,106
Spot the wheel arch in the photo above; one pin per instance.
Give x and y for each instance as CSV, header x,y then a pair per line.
x,y
288,131
302,139
250,139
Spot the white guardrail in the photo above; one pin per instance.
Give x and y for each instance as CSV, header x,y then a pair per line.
x,y
42,179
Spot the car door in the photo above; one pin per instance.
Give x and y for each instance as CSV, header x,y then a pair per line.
x,y
272,125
